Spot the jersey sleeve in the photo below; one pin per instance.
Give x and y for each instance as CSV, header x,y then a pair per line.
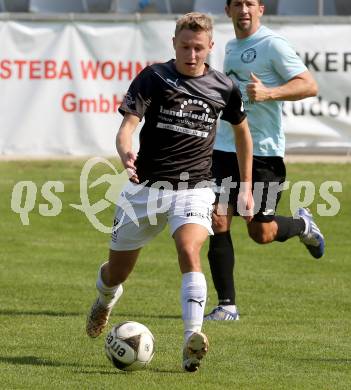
x,y
234,111
139,95
285,60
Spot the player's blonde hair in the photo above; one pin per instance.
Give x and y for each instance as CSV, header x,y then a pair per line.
x,y
194,21
260,2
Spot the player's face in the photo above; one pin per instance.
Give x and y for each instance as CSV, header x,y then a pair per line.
x,y
191,49
245,15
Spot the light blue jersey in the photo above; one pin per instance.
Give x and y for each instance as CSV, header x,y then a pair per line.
x,y
271,58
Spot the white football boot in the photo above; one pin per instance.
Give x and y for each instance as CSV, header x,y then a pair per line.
x,y
194,351
99,314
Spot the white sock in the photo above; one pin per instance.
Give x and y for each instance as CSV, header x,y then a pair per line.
x,y
194,291
108,296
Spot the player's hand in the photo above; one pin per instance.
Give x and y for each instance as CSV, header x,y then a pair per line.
x,y
246,202
128,160
256,91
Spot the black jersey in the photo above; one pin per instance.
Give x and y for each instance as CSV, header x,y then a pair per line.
x,y
180,120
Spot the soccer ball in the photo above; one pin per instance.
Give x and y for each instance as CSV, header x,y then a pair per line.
x,y
129,346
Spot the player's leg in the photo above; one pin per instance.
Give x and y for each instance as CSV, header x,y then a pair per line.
x,y
222,261
282,228
221,255
189,239
270,173
266,226
190,228
111,275
131,231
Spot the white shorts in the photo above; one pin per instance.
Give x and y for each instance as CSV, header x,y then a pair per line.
x,y
143,212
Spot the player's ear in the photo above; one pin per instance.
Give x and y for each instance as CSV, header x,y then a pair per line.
x,y
261,9
173,40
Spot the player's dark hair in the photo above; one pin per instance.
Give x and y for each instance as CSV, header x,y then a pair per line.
x,y
194,21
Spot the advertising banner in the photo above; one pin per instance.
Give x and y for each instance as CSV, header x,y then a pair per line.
x,y
62,82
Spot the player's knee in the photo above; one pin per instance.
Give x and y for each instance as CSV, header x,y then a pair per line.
x,y
256,236
189,258
186,252
220,224
260,234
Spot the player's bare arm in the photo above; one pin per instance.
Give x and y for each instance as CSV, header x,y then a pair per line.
x,y
244,150
124,144
299,87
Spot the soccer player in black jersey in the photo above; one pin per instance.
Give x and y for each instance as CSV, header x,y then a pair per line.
x,y
181,101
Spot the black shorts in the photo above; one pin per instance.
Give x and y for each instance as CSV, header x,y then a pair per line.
x,y
268,173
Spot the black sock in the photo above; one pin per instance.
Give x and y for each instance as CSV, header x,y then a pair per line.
x,y
288,227
221,259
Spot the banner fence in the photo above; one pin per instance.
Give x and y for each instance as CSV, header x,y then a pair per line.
x,y
61,82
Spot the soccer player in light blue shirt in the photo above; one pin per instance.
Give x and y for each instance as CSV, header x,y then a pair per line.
x,y
262,58
268,72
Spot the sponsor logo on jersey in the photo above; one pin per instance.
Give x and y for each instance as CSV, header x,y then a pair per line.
x,y
195,214
184,130
186,112
175,82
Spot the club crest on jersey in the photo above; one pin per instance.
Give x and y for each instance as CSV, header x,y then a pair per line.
x,y
248,56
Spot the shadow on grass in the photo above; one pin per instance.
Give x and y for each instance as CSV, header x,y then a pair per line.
x,y
101,372
49,313
144,315
52,313
37,361
160,371
31,361
119,372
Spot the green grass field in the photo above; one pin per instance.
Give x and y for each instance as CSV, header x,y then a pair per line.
x,y
295,326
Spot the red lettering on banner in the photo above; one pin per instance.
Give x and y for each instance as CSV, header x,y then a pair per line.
x,y
89,69
87,105
35,69
109,70
104,104
127,70
66,70
100,105
116,103
68,103
50,69
138,67
5,69
20,64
